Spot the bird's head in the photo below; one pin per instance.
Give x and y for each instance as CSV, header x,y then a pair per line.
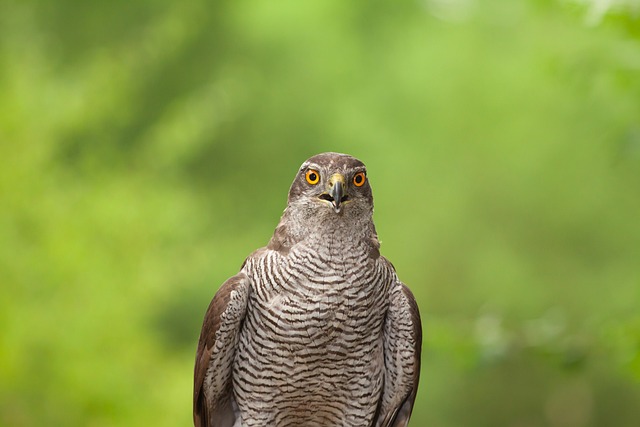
x,y
332,186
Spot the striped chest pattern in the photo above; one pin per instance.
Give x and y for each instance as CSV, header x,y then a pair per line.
x,y
310,350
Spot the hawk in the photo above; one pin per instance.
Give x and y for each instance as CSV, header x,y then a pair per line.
x,y
316,329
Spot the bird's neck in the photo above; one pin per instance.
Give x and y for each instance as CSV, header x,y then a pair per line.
x,y
343,231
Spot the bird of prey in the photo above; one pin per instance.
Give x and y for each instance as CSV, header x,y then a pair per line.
x,y
316,329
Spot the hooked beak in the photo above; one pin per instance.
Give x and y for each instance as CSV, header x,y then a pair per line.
x,y
336,194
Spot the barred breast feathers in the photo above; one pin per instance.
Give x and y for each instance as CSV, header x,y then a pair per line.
x,y
316,317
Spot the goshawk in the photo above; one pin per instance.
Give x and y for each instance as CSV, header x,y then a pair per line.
x,y
316,329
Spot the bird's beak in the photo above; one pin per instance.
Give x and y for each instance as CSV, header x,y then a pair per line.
x,y
336,191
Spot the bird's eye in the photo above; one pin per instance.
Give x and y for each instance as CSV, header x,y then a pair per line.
x,y
359,179
313,177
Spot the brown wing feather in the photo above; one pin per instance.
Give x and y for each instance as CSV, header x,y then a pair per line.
x,y
404,411
402,346
214,357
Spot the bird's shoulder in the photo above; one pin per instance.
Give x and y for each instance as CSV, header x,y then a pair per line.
x,y
399,290
232,292
402,290
389,270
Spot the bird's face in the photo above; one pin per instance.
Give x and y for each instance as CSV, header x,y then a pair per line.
x,y
332,185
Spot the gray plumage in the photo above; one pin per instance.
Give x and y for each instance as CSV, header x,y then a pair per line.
x,y
316,329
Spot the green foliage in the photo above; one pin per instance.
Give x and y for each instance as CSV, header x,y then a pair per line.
x,y
146,148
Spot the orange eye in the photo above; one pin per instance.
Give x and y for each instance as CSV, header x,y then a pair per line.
x,y
359,179
313,177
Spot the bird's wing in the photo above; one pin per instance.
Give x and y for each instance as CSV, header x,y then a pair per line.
x,y
402,346
212,388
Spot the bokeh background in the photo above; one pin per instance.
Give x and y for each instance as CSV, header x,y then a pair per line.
x,y
146,148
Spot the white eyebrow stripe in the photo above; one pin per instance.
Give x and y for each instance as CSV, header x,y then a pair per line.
x,y
309,165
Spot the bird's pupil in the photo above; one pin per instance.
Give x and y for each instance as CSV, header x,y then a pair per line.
x,y
312,176
358,179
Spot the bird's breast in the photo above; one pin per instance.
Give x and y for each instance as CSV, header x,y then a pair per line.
x,y
312,335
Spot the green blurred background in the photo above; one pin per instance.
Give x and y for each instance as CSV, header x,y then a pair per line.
x,y
146,148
